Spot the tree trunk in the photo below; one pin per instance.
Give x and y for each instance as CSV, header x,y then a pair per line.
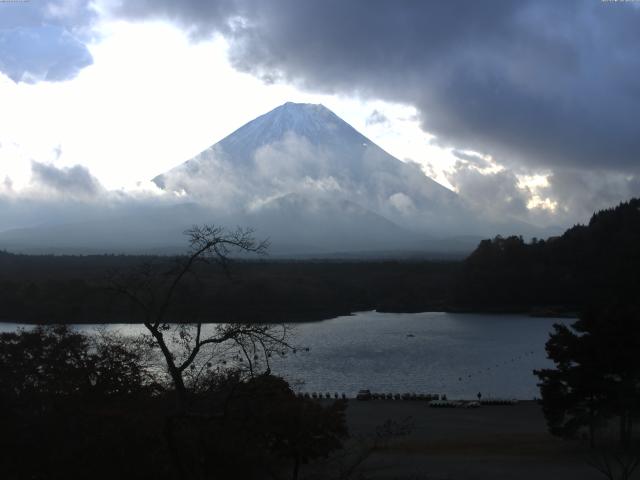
x,y
625,438
296,466
181,391
169,435
592,427
176,374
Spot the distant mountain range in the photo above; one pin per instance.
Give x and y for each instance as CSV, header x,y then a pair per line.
x,y
298,175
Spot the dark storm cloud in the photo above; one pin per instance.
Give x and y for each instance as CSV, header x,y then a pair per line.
x,y
576,194
472,158
536,83
496,194
74,181
583,192
200,18
44,40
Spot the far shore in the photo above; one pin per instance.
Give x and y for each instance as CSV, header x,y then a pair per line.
x,y
540,312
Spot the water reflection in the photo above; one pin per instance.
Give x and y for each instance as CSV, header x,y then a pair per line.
x,y
455,354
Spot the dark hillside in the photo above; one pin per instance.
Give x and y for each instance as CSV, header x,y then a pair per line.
x,y
74,289
599,261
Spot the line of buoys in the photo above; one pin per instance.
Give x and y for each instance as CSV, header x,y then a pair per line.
x,y
498,401
320,396
487,369
368,395
454,404
434,400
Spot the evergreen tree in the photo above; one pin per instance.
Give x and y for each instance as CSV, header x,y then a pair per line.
x,y
597,374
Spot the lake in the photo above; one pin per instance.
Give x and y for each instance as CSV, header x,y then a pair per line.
x,y
447,353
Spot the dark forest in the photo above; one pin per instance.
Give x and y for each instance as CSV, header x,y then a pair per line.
x,y
554,276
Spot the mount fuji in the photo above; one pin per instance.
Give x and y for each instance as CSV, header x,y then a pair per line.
x,y
298,175
304,176
307,150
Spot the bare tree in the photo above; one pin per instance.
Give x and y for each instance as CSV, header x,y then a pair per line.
x,y
153,290
615,465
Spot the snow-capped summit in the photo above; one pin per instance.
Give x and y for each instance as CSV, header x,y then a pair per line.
x,y
313,121
300,176
307,150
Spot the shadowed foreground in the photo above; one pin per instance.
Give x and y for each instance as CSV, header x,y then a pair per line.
x,y
490,442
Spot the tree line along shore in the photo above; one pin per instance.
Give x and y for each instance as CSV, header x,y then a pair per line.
x,y
547,277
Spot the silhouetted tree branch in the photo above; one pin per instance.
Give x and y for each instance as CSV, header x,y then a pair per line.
x,y
615,466
153,292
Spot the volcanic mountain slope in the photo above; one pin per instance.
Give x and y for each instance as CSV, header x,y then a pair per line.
x,y
298,175
307,151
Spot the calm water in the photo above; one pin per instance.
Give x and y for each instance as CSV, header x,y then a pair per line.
x,y
455,354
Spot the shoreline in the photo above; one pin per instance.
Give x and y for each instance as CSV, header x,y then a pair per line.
x,y
320,317
497,442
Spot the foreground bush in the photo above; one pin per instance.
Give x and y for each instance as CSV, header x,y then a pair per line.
x,y
73,406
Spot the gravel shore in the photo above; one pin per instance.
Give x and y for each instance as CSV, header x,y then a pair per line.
x,y
490,442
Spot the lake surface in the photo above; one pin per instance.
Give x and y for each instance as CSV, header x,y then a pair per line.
x,y
454,354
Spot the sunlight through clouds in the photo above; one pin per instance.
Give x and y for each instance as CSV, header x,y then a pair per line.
x,y
148,85
153,98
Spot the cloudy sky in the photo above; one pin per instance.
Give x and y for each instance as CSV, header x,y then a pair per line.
x,y
525,108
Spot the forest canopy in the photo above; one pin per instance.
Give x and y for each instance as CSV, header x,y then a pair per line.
x,y
558,275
